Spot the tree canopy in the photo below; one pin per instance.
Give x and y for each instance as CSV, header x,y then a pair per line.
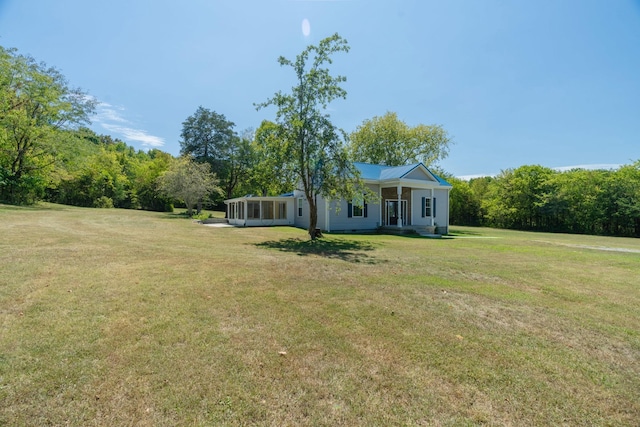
x,y
312,146
271,174
209,137
389,141
188,181
36,102
533,197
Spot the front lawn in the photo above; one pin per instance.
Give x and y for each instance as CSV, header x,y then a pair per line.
x,y
117,317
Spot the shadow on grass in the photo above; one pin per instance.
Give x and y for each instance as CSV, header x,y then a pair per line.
x,y
40,206
456,232
343,249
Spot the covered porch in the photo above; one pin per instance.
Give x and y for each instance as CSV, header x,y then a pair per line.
x,y
407,207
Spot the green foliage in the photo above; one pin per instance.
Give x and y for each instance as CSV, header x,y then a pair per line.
x,y
537,198
103,202
389,141
311,146
464,205
189,182
209,137
36,103
271,174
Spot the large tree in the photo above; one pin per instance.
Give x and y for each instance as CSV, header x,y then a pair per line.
x,y
209,137
312,145
390,141
36,102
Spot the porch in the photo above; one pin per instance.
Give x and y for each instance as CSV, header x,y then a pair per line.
x,y
408,208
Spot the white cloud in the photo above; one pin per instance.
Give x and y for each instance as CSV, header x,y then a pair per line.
x,y
479,175
589,167
112,119
606,166
137,135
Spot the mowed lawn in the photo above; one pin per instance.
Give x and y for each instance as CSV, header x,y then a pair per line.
x,y
115,317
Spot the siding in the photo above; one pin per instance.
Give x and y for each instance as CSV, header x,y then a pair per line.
x,y
301,221
442,201
418,194
339,219
418,173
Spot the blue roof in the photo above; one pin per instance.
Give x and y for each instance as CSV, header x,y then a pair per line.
x,y
383,172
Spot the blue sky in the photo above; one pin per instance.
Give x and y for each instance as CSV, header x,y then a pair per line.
x,y
550,82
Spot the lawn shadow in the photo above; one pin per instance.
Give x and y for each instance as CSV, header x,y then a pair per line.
x,y
343,249
180,215
456,232
40,206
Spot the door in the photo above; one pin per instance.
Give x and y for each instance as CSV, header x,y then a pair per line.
x,y
393,211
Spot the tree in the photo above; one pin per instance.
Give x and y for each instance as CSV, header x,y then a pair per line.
x,y
390,141
515,195
312,146
238,158
209,137
188,181
271,174
146,181
36,102
464,207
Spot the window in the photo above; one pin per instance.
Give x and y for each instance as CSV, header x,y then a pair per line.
x,y
300,200
434,206
356,209
232,210
426,206
240,210
281,211
253,210
267,210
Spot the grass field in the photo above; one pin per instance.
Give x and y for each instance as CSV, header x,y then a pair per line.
x,y
115,317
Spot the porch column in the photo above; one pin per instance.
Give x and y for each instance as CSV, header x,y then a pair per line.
x,y
432,216
382,205
399,189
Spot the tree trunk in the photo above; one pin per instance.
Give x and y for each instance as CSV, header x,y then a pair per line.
x,y
313,218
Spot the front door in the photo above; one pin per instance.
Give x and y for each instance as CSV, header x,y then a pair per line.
x,y
393,212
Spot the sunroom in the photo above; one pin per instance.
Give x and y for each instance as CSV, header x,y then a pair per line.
x,y
252,211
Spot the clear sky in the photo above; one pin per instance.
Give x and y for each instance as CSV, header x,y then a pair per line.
x,y
550,82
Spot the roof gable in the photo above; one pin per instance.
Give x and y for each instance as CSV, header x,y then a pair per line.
x,y
416,171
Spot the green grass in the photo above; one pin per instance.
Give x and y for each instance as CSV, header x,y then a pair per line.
x,y
116,317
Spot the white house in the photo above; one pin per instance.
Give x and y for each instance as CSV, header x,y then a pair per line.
x,y
409,196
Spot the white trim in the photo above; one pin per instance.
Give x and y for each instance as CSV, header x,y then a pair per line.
x,y
381,202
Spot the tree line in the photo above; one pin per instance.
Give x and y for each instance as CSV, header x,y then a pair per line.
x,y
533,197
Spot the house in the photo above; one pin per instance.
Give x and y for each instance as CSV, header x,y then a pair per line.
x,y
409,197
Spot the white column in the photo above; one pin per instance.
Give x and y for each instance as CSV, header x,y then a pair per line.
x,y
432,217
382,205
399,206
410,212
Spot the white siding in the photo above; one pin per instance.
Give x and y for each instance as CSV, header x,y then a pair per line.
x,y
416,211
442,207
339,215
301,221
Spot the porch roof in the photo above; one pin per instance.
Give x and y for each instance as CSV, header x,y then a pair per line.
x,y
384,173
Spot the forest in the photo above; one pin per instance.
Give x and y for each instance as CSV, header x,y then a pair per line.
x,y
48,153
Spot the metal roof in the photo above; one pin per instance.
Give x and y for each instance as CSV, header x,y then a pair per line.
x,y
383,172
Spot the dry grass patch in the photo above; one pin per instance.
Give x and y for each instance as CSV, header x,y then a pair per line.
x,y
112,317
